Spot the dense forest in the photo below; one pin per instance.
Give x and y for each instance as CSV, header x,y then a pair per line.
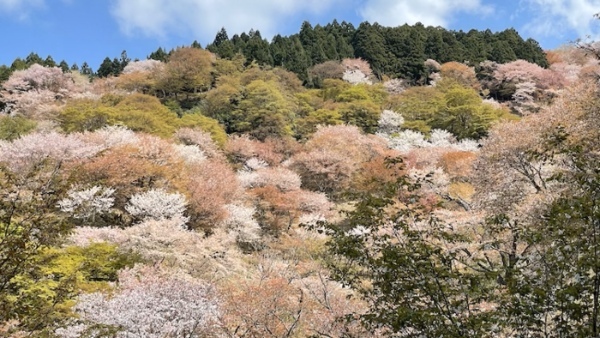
x,y
339,182
393,51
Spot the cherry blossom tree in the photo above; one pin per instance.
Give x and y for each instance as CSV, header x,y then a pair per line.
x,y
85,204
157,204
22,154
37,90
149,302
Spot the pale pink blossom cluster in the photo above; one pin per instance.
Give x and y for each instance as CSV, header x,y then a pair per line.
x,y
357,71
38,90
143,66
86,203
157,204
23,153
153,303
389,122
195,137
282,178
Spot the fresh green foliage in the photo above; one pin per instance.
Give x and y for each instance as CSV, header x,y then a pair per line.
x,y
449,106
14,127
57,276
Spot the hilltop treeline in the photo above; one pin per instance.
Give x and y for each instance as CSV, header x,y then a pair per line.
x,y
395,52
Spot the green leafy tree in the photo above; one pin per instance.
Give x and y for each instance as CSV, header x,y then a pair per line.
x,y
189,71
193,119
448,106
42,296
29,224
13,127
308,124
464,114
137,112
263,112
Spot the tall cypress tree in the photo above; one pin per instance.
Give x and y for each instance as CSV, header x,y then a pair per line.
x,y
369,44
312,43
297,60
159,55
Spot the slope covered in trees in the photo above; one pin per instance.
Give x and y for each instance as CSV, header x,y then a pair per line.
x,y
206,195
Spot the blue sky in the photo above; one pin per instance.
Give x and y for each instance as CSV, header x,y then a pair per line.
x,y
90,30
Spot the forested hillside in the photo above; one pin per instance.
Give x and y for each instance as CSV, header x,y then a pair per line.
x,y
391,51
341,182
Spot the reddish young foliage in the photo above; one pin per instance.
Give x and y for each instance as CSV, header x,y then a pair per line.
x,y
457,163
273,151
279,210
130,170
210,185
269,307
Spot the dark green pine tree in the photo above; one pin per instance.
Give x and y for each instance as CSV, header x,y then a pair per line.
x,y
196,44
49,62
86,69
533,52
33,58
476,49
18,64
159,55
343,47
75,67
123,61
257,49
238,42
369,44
454,50
312,44
434,43
501,52
106,68
329,48
4,73
64,66
297,60
222,46
280,47
343,34
407,45
116,68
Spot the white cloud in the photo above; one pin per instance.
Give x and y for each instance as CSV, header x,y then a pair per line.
x,y
205,17
20,8
428,12
556,17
